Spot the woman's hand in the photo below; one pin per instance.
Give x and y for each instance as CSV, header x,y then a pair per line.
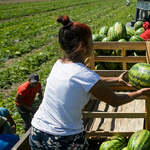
x,y
123,79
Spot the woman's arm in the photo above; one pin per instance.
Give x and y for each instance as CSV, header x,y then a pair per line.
x,y
12,123
120,79
101,91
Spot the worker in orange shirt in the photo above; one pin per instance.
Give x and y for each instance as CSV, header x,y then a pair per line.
x,y
25,97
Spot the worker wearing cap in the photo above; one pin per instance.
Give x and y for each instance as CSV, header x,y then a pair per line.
x,y
7,141
25,97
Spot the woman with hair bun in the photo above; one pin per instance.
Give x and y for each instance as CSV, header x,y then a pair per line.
x,y
58,124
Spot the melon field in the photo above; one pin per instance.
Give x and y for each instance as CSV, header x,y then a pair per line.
x,y
29,38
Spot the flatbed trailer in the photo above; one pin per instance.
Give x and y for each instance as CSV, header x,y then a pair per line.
x,y
102,121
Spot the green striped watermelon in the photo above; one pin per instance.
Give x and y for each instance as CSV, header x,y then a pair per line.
x,y
119,31
104,30
139,31
97,37
139,75
111,65
98,52
129,65
128,38
110,33
106,39
138,25
117,51
130,31
136,38
140,140
106,52
100,66
114,143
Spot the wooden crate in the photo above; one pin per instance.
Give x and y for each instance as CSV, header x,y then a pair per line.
x,y
91,112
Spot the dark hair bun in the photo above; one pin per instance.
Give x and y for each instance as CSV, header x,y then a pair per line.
x,y
63,19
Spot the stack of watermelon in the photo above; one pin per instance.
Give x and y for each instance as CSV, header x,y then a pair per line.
x,y
118,32
140,140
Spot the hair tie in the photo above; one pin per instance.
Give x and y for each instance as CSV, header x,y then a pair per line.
x,y
69,23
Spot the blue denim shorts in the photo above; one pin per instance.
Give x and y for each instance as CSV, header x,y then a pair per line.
x,y
43,141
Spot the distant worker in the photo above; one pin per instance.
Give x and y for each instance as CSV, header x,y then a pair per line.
x,y
146,34
10,126
25,97
7,141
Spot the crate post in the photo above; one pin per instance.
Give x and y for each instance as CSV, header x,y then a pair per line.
x,y
124,64
148,51
147,121
92,62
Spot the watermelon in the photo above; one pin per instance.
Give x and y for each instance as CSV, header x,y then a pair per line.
x,y
139,75
113,53
106,52
111,65
103,31
119,31
140,140
129,65
98,52
117,51
110,33
138,25
130,31
128,38
97,37
114,143
122,40
139,31
106,39
100,66
136,38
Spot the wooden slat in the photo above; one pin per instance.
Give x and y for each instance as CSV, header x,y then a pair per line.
x,y
108,133
139,98
120,45
121,88
23,143
128,59
147,123
148,51
96,114
109,73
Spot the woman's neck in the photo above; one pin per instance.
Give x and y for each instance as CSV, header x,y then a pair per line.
x,y
79,58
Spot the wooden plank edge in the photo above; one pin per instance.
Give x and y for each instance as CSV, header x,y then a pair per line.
x,y
108,133
96,114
